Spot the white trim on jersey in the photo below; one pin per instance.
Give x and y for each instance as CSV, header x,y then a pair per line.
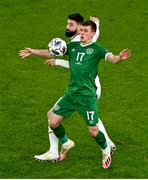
x,y
106,55
84,45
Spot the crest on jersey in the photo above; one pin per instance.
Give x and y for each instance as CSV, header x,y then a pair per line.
x,y
56,107
89,51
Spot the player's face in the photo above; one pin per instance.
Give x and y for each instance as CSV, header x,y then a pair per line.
x,y
86,34
71,28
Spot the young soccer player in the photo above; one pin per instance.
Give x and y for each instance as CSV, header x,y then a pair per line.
x,y
73,31
84,57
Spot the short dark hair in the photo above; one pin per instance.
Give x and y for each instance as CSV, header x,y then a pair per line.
x,y
76,17
91,24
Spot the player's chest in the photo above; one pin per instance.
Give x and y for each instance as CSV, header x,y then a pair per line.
x,y
82,56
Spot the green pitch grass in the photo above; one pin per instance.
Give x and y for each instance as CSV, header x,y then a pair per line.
x,y
28,89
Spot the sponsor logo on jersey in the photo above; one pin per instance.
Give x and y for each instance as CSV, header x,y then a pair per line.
x,y
73,50
78,63
89,51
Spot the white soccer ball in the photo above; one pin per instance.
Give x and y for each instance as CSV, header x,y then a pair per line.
x,y
57,47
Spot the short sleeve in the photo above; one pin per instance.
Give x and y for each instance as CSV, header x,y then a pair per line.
x,y
102,52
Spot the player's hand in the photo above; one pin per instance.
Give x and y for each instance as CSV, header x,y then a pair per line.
x,y
50,62
94,19
25,52
125,54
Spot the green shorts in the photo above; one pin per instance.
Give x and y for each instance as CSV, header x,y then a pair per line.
x,y
86,106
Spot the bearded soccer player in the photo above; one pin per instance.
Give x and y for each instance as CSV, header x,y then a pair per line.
x,y
73,31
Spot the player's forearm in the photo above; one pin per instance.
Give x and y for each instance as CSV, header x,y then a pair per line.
x,y
61,62
96,36
123,55
114,58
41,53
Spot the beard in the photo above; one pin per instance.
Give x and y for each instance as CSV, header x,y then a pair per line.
x,y
69,33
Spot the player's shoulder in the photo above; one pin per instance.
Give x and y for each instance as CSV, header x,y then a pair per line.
x,y
100,49
98,45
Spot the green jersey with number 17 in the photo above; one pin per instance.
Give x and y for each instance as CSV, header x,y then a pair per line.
x,y
83,61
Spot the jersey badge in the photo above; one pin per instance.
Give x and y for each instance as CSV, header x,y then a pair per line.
x,y
89,51
56,107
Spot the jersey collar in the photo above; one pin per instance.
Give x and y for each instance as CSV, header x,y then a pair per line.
x,y
83,45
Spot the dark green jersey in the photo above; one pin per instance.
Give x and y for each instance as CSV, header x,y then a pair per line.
x,y
83,61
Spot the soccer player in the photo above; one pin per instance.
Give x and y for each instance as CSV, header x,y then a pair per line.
x,y
84,57
73,31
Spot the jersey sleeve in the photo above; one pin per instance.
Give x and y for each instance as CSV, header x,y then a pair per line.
x,y
61,62
102,52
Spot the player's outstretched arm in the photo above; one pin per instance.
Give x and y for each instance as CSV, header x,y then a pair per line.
x,y
57,62
50,62
36,52
123,55
97,22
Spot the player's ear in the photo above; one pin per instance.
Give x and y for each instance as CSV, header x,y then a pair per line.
x,y
93,33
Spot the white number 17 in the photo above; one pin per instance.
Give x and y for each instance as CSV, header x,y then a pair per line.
x,y
80,56
90,115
